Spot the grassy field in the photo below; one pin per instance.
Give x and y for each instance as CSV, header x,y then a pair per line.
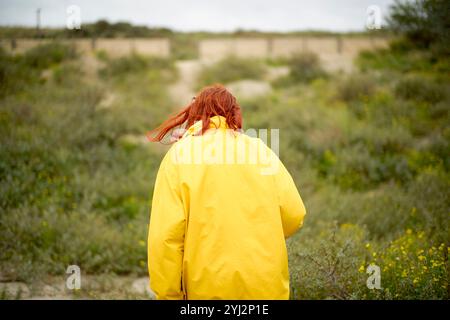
x,y
368,151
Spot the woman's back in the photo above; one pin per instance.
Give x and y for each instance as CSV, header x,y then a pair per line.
x,y
222,207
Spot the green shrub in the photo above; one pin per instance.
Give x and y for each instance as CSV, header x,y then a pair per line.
x,y
401,44
71,193
13,74
420,89
231,69
52,240
135,63
305,67
356,87
102,55
46,55
67,73
23,71
424,23
357,168
390,60
325,266
184,47
331,262
423,61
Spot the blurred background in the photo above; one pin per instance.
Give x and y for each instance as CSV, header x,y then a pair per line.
x,y
359,90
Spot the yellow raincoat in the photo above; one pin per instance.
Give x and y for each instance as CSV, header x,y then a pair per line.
x,y
219,218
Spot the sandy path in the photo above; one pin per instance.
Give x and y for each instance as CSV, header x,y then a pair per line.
x,y
183,90
92,287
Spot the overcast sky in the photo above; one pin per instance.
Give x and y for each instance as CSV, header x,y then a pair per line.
x,y
210,15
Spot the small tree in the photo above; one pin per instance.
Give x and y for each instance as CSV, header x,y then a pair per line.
x,y
424,22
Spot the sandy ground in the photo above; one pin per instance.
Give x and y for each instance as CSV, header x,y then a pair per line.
x,y
248,88
92,287
183,90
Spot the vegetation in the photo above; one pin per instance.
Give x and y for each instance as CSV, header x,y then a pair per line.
x,y
304,67
424,22
135,63
75,187
16,72
368,151
231,69
373,171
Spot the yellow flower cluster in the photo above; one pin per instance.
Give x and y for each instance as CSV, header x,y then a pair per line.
x,y
410,262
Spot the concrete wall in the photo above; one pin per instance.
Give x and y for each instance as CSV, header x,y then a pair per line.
x,y
114,47
335,53
283,47
212,49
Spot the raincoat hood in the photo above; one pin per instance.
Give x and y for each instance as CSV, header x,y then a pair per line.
x,y
217,122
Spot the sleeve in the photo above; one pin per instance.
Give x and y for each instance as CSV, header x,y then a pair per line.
x,y
291,205
166,234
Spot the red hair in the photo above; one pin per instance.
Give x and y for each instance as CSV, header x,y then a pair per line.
x,y
211,101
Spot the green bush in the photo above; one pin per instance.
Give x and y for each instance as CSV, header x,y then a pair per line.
x,y
71,192
356,87
184,47
390,60
325,266
22,71
13,75
401,45
135,63
304,67
102,55
423,22
423,61
66,73
231,69
357,168
46,55
420,89
51,240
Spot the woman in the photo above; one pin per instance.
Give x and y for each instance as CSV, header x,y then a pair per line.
x,y
219,219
